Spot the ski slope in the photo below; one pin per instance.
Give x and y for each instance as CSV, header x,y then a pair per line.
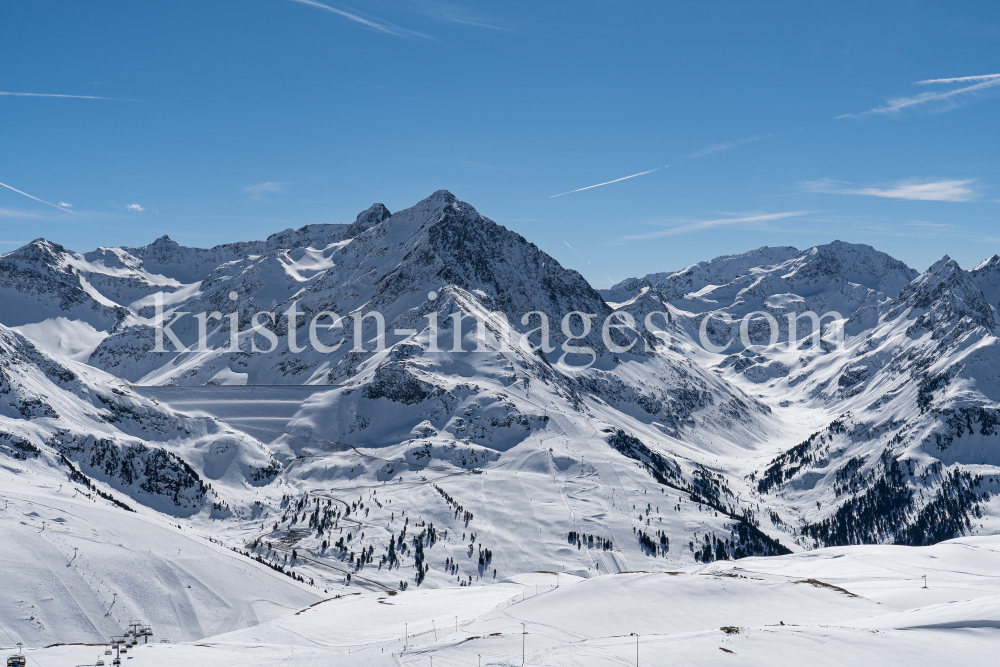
x,y
78,569
319,462
836,606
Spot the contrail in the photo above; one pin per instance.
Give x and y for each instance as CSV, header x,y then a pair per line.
x,y
75,97
37,199
624,178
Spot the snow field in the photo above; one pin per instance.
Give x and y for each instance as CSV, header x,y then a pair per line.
x,y
94,567
749,612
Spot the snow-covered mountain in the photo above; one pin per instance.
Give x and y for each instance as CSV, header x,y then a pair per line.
x,y
908,452
853,281
912,456
461,447
86,424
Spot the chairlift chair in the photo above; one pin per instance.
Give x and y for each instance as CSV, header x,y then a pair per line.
x,y
18,659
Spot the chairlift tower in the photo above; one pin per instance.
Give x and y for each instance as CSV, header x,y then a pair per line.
x,y
18,659
138,629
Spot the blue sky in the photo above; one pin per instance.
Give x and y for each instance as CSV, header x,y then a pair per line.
x,y
782,123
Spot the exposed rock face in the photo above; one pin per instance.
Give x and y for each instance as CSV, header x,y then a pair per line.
x,y
453,375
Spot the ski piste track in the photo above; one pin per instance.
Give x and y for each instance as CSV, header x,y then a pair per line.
x,y
833,453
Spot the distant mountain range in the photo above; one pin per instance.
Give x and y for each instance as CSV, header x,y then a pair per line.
x,y
890,437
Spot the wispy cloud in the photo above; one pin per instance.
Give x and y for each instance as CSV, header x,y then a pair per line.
x,y
915,190
257,191
932,226
367,21
477,24
942,101
456,14
36,198
135,208
476,165
959,79
5,93
17,213
687,227
65,204
726,145
623,178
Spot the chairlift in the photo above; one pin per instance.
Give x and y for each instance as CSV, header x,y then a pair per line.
x,y
18,659
107,651
116,662
99,663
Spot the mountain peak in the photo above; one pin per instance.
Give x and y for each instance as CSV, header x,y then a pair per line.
x,y
378,211
437,202
442,195
947,293
990,263
164,241
368,218
944,265
42,242
39,249
858,263
986,275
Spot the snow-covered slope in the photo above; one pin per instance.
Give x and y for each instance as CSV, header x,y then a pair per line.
x,y
760,277
912,455
855,605
838,279
83,423
451,452
40,282
78,568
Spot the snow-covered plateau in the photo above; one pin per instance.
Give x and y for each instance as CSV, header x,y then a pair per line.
x,y
698,494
